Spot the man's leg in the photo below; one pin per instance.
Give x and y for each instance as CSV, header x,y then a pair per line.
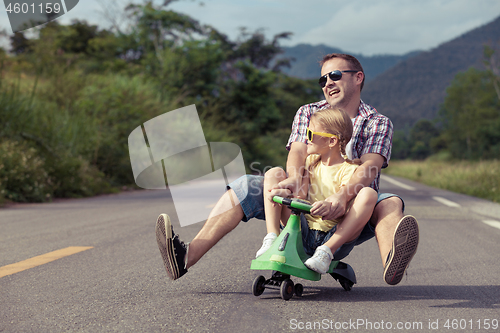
x,y
385,218
397,237
242,201
224,217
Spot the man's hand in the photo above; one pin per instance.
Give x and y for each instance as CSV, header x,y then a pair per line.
x,y
337,206
321,208
283,189
287,187
363,176
284,193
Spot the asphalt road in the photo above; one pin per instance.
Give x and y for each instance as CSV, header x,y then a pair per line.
x,y
119,284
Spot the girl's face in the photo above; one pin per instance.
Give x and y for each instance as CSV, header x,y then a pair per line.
x,y
319,144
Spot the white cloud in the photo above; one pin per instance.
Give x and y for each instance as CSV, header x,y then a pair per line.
x,y
395,26
357,26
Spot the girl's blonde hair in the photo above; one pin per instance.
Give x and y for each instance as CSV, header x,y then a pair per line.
x,y
335,121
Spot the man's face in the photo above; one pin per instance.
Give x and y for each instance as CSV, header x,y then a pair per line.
x,y
340,93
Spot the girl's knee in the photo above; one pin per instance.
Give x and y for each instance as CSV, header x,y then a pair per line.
x,y
368,195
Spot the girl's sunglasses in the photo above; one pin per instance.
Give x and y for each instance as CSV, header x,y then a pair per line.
x,y
311,134
334,76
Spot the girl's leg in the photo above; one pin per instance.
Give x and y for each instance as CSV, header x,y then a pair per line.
x,y
272,210
355,220
347,230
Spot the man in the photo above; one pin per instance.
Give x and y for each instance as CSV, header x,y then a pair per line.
x,y
397,235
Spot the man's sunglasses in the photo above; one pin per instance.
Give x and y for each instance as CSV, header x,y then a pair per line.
x,y
334,76
311,134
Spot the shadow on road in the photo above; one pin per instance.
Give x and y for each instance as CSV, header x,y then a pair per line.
x,y
466,297
463,297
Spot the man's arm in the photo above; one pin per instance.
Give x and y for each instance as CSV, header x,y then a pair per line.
x,y
296,160
295,169
362,177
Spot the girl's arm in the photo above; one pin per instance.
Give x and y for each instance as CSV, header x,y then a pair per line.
x,y
362,177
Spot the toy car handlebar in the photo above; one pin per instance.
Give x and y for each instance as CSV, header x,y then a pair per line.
x,y
293,203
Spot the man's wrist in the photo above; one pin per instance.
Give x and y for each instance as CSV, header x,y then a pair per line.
x,y
343,193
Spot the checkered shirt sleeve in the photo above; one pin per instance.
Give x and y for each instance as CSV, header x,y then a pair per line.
x,y
375,134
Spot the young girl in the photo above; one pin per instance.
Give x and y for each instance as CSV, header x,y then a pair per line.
x,y
326,170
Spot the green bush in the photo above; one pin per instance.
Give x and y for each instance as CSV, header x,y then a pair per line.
x,y
23,176
74,177
27,175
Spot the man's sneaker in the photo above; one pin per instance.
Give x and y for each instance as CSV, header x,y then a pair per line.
x,y
321,260
266,243
173,251
404,247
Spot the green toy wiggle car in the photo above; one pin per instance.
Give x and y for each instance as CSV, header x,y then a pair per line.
x,y
286,258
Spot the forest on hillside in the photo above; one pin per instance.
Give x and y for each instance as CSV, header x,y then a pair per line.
x,y
70,97
468,122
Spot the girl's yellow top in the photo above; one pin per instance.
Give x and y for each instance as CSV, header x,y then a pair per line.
x,y
324,181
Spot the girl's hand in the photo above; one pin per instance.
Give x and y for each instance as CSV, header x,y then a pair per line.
x,y
321,208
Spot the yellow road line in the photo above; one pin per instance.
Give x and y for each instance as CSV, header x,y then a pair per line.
x,y
41,259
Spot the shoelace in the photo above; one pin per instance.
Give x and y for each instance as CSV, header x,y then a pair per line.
x,y
185,246
323,256
268,241
180,242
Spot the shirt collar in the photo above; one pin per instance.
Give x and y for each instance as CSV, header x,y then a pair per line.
x,y
365,110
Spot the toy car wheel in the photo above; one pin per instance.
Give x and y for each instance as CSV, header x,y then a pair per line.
x,y
286,289
258,286
346,284
299,289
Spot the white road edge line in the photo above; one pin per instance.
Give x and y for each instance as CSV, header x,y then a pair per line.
x,y
446,202
493,223
397,183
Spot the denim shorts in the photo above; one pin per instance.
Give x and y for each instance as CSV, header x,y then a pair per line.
x,y
314,238
249,191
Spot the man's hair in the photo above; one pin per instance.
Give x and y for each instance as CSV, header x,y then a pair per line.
x,y
352,61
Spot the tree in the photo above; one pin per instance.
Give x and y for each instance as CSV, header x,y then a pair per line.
x,y
492,63
75,38
471,116
255,48
421,135
19,43
400,145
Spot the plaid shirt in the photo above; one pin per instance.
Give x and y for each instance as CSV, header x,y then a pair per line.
x,y
372,132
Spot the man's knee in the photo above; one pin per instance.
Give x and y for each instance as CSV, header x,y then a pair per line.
x,y
386,207
228,203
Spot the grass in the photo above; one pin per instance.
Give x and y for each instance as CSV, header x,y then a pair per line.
x,y
476,178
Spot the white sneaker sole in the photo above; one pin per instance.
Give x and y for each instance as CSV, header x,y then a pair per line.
x,y
163,238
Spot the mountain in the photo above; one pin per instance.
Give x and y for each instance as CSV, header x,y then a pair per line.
x,y
416,87
307,57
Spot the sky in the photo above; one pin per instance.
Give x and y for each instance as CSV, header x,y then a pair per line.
x,y
367,27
